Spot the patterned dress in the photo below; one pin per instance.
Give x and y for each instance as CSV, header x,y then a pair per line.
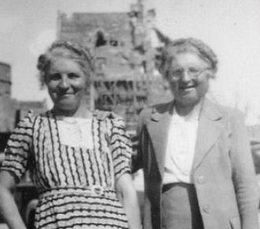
x,y
76,184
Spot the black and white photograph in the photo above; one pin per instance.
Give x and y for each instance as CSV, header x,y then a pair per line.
x,y
129,114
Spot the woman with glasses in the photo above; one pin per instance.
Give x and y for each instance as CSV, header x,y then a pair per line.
x,y
197,163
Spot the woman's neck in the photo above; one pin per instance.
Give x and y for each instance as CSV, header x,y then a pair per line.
x,y
185,109
81,112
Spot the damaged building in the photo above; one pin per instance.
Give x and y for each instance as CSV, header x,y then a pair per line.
x,y
12,110
124,58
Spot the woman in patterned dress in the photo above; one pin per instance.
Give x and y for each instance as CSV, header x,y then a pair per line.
x,y
79,160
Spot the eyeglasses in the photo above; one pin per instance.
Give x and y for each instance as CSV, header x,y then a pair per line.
x,y
176,74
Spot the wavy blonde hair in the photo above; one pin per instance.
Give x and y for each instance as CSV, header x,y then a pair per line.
x,y
65,49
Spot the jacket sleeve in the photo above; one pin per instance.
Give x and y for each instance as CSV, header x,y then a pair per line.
x,y
243,174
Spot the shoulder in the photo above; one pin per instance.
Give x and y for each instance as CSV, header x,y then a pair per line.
x,y
159,108
103,115
25,126
229,113
27,120
156,108
109,116
31,117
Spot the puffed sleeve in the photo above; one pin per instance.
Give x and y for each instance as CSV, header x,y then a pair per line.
x,y
121,147
18,147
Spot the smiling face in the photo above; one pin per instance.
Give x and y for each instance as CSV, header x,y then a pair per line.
x,y
188,76
66,84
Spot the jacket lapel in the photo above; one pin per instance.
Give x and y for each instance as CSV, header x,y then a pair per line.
x,y
158,131
211,124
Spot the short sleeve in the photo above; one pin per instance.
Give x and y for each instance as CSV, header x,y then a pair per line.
x,y
18,147
121,147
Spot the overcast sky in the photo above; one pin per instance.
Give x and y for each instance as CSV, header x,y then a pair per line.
x,y
230,27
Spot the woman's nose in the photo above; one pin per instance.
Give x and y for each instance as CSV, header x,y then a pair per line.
x,y
64,82
186,76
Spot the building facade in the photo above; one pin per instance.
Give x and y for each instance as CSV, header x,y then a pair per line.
x,y
7,107
124,58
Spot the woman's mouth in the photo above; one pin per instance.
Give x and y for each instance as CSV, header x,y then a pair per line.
x,y
64,95
187,87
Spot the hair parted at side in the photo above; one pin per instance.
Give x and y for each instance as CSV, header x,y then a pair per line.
x,y
190,44
65,49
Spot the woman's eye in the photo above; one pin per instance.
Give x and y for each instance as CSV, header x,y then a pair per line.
x,y
55,76
73,75
176,72
194,70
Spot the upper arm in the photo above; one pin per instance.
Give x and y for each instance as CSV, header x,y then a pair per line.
x,y
18,148
121,148
241,155
243,172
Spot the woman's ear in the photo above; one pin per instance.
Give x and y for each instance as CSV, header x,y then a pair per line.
x,y
211,74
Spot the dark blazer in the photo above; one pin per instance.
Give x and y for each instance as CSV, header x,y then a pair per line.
x,y
223,171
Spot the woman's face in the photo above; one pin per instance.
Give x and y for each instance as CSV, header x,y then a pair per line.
x,y
188,76
66,84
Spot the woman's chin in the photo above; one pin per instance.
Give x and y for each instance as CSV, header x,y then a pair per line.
x,y
65,108
188,100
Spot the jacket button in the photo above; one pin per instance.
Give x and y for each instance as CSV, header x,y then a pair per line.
x,y
206,208
201,179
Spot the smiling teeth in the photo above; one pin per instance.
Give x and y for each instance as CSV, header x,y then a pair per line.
x,y
187,87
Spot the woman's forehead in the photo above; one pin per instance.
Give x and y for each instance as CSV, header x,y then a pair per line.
x,y
181,48
187,57
173,52
61,63
202,53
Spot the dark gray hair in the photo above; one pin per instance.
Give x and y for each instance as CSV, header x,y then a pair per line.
x,y
187,45
65,49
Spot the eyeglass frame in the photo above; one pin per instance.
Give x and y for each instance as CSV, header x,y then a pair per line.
x,y
189,72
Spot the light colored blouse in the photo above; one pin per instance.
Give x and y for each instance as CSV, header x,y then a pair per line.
x,y
75,132
182,136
